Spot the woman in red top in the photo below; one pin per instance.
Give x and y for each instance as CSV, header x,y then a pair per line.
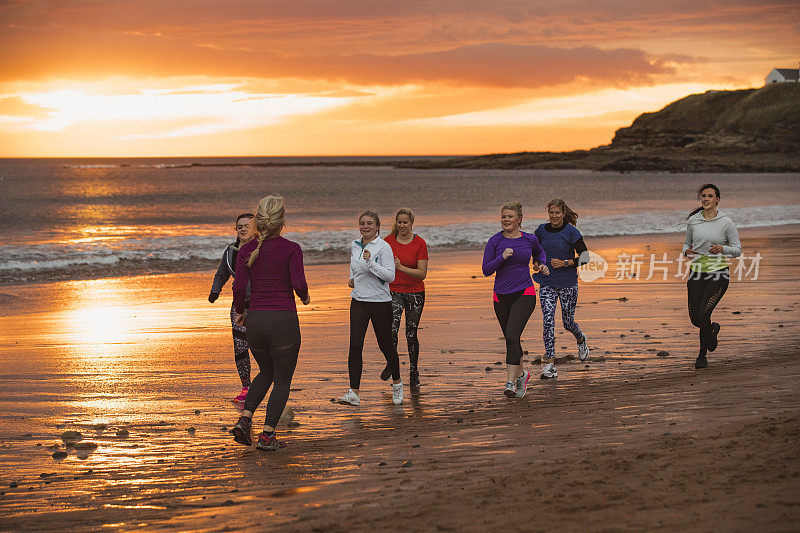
x,y
407,289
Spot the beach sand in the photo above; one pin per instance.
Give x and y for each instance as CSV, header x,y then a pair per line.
x,y
142,368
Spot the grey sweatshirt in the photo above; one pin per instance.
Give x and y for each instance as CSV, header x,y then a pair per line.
x,y
701,234
371,277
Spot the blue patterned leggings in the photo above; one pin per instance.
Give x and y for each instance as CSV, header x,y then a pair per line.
x,y
412,303
241,353
549,296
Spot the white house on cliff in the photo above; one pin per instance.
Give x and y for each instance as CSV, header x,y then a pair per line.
x,y
781,75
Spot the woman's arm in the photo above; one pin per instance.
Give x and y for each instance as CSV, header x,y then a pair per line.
x,y
298,275
382,264
687,243
240,281
491,261
417,273
734,246
220,278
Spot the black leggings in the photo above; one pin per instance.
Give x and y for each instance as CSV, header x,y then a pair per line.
x,y
274,339
513,311
381,315
705,290
412,303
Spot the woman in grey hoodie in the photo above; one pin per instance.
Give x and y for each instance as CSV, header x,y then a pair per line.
x,y
711,238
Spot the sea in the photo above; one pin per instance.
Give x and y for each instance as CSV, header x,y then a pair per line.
x,y
90,218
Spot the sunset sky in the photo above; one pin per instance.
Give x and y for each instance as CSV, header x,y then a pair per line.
x,y
227,77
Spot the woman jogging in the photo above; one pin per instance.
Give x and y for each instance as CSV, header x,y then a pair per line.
x,y
564,246
227,268
407,289
508,255
371,271
274,268
711,238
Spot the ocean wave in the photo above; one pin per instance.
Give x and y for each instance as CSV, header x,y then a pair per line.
x,y
333,245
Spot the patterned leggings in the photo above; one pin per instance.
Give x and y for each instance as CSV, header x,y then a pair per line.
x,y
549,296
241,355
412,303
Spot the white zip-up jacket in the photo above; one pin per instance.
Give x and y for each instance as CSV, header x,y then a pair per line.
x,y
371,277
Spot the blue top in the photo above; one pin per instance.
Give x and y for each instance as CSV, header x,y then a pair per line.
x,y
514,273
558,245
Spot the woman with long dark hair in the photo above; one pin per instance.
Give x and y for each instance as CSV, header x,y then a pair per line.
x,y
371,272
711,238
274,268
508,255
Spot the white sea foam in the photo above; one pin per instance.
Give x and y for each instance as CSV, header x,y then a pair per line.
x,y
334,245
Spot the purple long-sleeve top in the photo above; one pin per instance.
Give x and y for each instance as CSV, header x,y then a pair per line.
x,y
274,275
514,273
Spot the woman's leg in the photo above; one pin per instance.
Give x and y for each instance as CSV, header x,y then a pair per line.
x,y
359,320
241,355
397,315
716,285
519,313
284,348
258,337
568,296
381,315
549,298
695,287
414,303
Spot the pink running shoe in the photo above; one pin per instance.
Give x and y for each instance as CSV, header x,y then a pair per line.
x,y
238,402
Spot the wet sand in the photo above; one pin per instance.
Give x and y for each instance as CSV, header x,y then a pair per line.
x,y
142,367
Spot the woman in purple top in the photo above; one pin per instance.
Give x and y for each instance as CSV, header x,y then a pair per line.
x,y
508,255
274,267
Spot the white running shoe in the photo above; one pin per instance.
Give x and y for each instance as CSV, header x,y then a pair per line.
x,y
511,389
350,398
549,371
583,349
397,393
522,384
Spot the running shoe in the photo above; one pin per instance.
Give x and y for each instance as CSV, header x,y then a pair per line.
x,y
583,349
386,373
269,443
397,393
238,402
350,398
701,362
715,327
549,371
511,389
522,384
413,380
241,431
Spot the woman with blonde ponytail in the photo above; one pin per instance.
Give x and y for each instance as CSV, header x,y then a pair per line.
x,y
407,289
566,251
274,268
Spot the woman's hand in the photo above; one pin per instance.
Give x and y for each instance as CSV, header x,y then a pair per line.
x,y
397,263
366,255
716,249
558,263
351,284
239,319
689,252
544,270
508,252
307,300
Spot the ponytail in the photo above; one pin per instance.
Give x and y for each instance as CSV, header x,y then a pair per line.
x,y
269,221
699,192
570,216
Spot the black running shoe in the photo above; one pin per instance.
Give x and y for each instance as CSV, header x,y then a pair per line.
x,y
413,380
269,444
386,374
714,340
701,362
241,431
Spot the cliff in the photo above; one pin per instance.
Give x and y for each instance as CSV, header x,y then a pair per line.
x,y
749,130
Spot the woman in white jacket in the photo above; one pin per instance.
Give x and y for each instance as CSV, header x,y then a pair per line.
x,y
711,238
371,270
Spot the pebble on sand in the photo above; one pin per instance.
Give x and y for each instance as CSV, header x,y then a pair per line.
x,y
13,484
122,433
71,436
197,411
86,446
191,430
100,427
488,369
60,455
663,353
